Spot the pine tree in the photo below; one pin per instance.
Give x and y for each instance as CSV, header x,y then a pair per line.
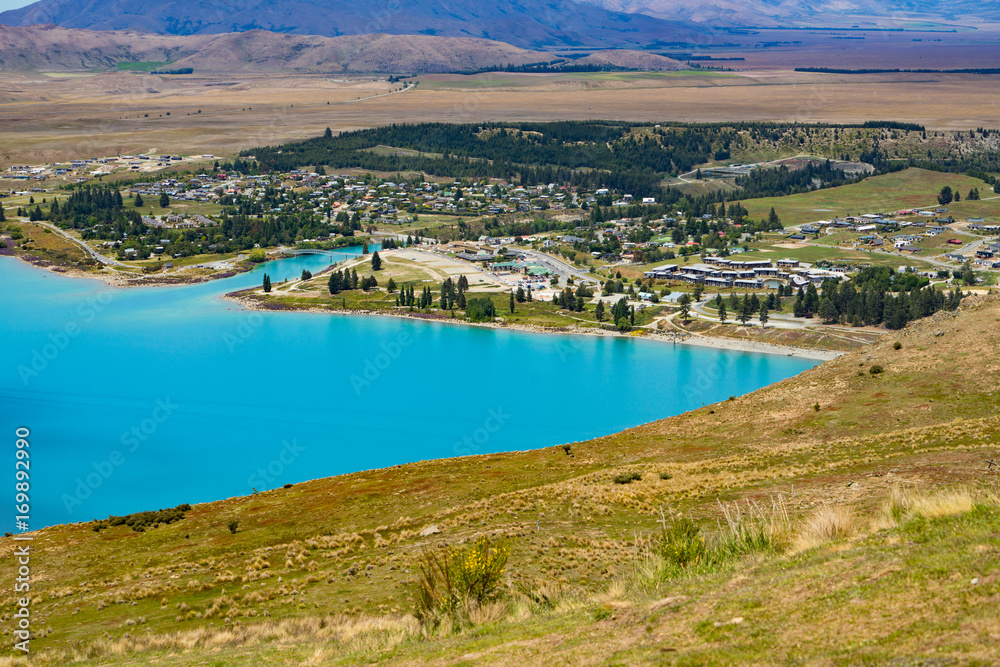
x,y
722,311
512,301
745,312
354,279
267,283
391,285
598,311
811,300
164,200
763,315
685,304
376,262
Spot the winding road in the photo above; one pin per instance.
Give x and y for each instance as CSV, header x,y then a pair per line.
x,y
107,261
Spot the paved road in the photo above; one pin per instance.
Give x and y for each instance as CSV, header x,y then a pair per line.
x,y
780,320
409,86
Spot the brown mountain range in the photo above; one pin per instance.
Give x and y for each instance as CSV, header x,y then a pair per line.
x,y
51,48
535,24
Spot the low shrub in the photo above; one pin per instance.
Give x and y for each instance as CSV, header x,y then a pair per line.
x,y
683,547
876,369
142,520
627,477
682,543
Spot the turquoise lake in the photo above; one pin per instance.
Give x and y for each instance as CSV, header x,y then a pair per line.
x,y
147,398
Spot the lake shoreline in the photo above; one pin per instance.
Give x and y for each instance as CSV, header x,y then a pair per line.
x,y
714,342
125,280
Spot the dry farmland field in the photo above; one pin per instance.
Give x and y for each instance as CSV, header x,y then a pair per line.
x,y
49,117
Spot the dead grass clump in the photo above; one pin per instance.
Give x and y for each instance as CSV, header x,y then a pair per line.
x,y
944,503
483,614
830,522
258,563
906,503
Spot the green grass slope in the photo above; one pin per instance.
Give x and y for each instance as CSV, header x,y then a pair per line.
x,y
910,188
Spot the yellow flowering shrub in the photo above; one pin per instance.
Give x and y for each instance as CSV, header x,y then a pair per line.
x,y
458,576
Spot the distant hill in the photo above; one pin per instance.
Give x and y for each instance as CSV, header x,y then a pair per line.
x,y
783,13
59,49
626,59
551,23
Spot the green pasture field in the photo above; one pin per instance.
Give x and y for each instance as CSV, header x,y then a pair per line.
x,y
911,188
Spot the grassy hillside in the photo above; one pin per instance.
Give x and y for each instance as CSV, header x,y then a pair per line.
x,y
910,188
821,567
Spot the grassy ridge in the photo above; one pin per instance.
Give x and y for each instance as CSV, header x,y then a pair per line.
x,y
323,571
910,188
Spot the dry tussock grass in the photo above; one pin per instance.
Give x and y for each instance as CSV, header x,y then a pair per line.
x,y
904,503
362,635
489,612
943,503
830,522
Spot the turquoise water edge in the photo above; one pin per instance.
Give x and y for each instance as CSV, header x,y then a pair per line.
x,y
146,398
